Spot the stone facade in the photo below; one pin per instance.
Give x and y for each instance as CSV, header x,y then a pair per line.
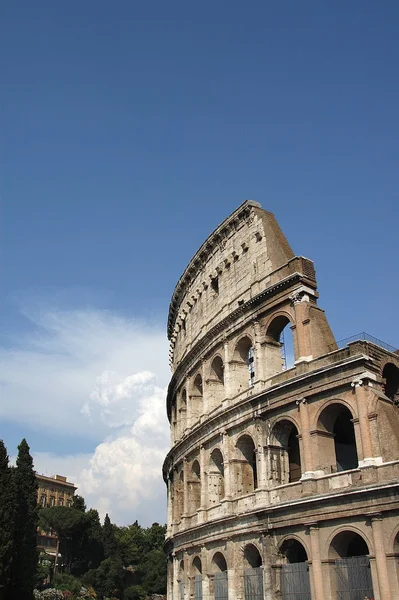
x,y
282,482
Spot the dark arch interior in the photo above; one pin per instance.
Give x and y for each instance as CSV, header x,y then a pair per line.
x,y
348,544
247,447
219,562
252,556
196,469
294,457
217,460
217,369
197,566
391,375
345,441
276,327
294,551
243,348
198,384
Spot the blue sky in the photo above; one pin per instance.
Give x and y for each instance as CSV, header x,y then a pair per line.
x,y
128,131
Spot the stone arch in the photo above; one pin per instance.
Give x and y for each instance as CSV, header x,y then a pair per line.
x,y
196,569
336,440
390,374
215,383
285,452
335,540
197,397
242,371
280,346
294,574
194,487
293,550
252,556
246,465
196,565
216,489
218,562
348,552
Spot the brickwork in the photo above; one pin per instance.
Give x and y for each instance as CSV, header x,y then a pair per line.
x,y
272,467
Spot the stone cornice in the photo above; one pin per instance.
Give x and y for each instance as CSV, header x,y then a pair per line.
x,y
201,256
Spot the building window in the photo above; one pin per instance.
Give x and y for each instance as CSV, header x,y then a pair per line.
x,y
43,500
52,501
60,501
69,503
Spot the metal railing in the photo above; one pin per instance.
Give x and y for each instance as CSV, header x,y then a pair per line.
x,y
366,337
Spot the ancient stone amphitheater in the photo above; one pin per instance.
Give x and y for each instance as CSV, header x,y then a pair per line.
x,y
283,472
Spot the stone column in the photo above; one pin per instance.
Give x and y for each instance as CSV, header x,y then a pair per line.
x,y
204,478
302,342
175,586
185,487
227,373
205,403
259,359
317,573
306,442
380,557
227,465
170,507
268,592
205,578
362,401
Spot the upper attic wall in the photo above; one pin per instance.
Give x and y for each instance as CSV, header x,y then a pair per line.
x,y
233,265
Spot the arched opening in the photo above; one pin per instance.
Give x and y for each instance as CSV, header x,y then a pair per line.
x,y
215,383
194,486
178,496
216,477
173,421
220,581
183,411
247,474
197,571
196,399
351,568
243,365
280,351
336,439
253,576
285,453
391,386
295,582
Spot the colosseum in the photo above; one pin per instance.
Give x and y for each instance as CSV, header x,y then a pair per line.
x,y
283,472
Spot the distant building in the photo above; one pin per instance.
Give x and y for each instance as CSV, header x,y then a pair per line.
x,y
52,491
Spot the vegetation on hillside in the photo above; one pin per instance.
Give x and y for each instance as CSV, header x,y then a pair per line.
x,y
98,560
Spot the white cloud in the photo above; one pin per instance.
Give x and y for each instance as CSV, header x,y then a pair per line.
x,y
92,374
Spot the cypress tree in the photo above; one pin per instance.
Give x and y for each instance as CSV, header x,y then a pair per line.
x,y
6,520
24,564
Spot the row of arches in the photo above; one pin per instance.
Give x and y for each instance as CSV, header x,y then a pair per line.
x,y
226,376
245,466
288,575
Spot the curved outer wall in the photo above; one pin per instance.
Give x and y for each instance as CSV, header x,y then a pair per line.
x,y
256,478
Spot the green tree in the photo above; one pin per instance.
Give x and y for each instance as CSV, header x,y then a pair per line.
x,y
70,525
6,520
110,541
24,561
79,503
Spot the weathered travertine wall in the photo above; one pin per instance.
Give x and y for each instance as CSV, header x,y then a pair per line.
x,y
276,476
